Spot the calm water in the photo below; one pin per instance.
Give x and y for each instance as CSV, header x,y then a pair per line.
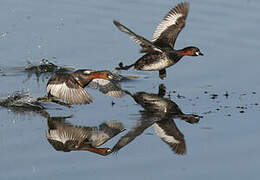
x,y
223,145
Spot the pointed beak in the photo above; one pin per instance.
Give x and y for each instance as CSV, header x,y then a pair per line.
x,y
201,54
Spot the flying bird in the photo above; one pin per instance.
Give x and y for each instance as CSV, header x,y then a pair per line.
x,y
160,52
70,86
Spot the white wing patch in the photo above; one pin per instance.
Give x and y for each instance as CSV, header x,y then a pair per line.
x,y
160,132
98,138
55,135
169,20
67,133
117,94
103,86
55,89
88,71
71,95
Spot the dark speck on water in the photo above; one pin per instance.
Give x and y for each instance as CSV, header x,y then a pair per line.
x,y
226,94
241,107
180,96
112,103
213,96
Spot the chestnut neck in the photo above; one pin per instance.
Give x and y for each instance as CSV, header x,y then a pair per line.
x,y
185,52
95,75
84,80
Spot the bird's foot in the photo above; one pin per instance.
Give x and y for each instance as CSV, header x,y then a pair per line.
x,y
162,74
50,99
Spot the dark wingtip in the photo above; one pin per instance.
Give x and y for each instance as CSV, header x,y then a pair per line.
x,y
185,3
116,22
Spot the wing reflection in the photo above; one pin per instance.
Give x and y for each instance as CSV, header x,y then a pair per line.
x,y
170,134
159,112
107,87
135,131
64,136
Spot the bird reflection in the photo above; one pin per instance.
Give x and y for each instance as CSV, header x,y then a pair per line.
x,y
159,112
64,136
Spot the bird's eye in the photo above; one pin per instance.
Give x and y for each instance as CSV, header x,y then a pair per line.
x,y
108,150
110,76
87,72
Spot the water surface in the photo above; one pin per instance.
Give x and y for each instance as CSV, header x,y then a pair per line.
x,y
223,145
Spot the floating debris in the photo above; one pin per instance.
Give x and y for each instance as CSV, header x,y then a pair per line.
x,y
180,96
112,103
213,96
3,34
208,112
207,128
226,94
241,107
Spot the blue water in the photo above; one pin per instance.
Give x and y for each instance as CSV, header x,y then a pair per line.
x,y
223,145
